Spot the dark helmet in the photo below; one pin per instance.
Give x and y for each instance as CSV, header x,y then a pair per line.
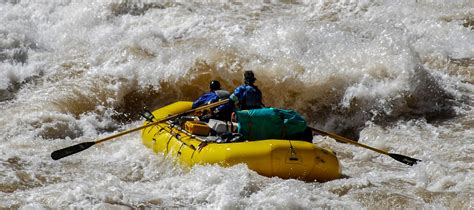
x,y
214,85
249,77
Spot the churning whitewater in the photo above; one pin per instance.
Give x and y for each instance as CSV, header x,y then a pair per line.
x,y
396,75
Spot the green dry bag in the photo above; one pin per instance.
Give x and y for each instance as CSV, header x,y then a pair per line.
x,y
269,123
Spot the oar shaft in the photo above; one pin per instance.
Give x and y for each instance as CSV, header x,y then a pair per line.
x,y
401,158
162,120
123,133
344,139
58,154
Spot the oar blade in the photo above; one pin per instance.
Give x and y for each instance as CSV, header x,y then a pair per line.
x,y
58,154
404,159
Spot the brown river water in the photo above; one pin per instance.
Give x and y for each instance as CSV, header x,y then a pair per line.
x,y
396,75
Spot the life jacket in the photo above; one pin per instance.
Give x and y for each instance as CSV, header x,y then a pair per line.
x,y
252,98
223,112
222,94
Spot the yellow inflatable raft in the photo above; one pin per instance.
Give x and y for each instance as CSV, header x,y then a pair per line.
x,y
273,157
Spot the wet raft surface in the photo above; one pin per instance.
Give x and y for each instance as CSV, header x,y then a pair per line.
x,y
272,157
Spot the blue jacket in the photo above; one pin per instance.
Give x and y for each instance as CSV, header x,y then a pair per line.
x,y
206,98
222,112
248,97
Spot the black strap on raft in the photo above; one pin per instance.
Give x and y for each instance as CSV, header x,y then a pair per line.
x,y
293,156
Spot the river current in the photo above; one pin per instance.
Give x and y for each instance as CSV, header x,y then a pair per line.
x,y
396,75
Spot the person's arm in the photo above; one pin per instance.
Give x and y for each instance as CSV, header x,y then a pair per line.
x,y
198,102
206,98
237,95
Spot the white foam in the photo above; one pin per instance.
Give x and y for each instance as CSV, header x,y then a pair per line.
x,y
83,59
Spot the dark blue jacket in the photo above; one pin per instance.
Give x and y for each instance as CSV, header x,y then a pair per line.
x,y
248,97
206,98
223,111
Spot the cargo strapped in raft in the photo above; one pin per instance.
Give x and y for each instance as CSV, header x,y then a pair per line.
x,y
270,123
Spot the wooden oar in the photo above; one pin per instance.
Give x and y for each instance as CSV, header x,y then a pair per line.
x,y
58,154
401,158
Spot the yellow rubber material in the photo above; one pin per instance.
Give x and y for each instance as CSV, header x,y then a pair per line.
x,y
273,157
